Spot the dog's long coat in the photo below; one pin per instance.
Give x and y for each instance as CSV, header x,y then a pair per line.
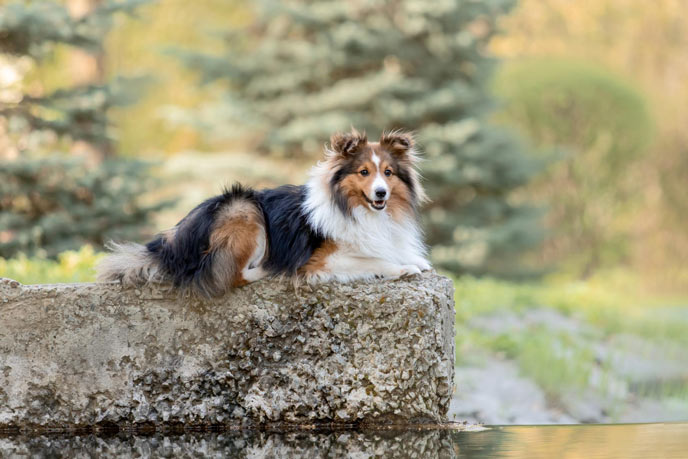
x,y
356,218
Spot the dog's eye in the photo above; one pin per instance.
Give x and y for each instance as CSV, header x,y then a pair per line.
x,y
364,172
388,172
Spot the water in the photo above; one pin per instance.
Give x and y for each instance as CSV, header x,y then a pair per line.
x,y
584,441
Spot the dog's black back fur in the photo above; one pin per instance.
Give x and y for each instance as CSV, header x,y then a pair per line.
x,y
291,240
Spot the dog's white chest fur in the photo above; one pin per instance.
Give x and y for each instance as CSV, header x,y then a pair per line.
x,y
377,235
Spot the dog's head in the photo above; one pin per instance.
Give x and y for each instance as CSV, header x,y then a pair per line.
x,y
378,176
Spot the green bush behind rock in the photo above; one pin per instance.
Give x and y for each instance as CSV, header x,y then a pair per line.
x,y
593,127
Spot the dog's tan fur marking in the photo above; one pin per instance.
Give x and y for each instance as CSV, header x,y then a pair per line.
x,y
235,237
348,143
355,185
399,204
396,142
317,262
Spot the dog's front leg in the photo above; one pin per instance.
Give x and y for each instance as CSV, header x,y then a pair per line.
x,y
345,267
422,263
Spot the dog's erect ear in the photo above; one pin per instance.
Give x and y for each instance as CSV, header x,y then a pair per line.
x,y
397,142
347,144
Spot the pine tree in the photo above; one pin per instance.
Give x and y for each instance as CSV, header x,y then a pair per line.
x,y
31,30
50,201
305,69
49,205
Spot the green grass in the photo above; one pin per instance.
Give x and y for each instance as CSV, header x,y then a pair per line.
x,y
71,266
613,306
557,360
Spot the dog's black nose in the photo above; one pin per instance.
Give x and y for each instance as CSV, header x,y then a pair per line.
x,y
380,193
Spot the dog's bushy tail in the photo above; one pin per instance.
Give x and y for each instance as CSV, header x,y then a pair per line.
x,y
203,254
129,263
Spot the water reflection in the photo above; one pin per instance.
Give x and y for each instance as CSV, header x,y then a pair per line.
x,y
606,441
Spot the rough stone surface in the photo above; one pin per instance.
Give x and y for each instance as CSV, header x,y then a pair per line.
x,y
406,444
344,353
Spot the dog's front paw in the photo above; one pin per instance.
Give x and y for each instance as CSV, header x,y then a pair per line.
x,y
409,270
423,265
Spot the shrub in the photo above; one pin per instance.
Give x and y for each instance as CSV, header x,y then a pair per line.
x,y
593,127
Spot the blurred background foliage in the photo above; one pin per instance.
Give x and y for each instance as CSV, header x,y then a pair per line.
x,y
52,204
553,133
639,45
60,184
69,266
593,129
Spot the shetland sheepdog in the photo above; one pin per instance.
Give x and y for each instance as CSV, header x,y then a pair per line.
x,y
355,219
